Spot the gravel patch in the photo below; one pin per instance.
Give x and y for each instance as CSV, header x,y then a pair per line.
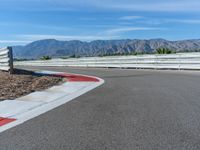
x,y
24,82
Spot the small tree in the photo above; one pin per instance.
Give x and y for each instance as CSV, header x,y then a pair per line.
x,y
45,58
163,51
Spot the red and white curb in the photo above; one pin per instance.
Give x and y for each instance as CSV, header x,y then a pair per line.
x,y
15,112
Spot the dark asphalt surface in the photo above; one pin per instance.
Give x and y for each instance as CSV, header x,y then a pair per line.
x,y
133,110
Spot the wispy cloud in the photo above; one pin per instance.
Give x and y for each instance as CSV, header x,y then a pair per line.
x,y
155,5
34,37
114,33
130,17
14,41
128,29
126,5
186,21
5,43
34,26
159,21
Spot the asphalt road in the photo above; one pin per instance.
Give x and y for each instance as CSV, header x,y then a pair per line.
x,y
133,110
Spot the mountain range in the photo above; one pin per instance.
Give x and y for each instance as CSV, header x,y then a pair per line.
x,y
55,48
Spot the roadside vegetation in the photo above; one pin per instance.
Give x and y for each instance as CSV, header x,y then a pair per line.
x,y
157,51
45,58
164,51
71,56
124,54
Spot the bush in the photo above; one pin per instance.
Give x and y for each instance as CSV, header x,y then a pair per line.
x,y
164,51
45,58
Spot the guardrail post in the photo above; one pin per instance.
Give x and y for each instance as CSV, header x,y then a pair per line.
x,y
120,63
10,54
179,62
136,62
156,62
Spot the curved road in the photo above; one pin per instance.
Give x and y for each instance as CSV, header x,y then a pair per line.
x,y
133,110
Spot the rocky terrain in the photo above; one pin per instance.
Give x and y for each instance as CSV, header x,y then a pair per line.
x,y
22,83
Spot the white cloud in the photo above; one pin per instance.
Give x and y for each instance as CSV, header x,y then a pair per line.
x,y
126,5
171,21
14,41
34,37
113,33
154,5
5,43
159,21
132,5
130,17
28,38
187,21
35,26
128,29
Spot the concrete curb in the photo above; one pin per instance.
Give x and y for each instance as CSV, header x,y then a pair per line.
x,y
15,112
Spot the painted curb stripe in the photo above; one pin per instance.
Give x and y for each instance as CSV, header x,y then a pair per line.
x,y
10,118
77,78
70,77
4,121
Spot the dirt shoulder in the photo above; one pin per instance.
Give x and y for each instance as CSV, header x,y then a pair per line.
x,y
24,82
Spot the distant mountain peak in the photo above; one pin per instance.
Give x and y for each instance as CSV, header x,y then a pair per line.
x,y
55,48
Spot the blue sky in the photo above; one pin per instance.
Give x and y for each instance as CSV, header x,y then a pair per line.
x,y
24,21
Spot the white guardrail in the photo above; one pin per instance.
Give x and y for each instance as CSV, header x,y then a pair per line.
x,y
6,59
157,61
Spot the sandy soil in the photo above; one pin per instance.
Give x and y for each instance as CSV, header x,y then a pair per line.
x,y
24,82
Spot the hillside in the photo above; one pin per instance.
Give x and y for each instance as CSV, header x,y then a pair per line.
x,y
55,48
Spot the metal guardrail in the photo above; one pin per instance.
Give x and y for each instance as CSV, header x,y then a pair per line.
x,y
6,59
169,61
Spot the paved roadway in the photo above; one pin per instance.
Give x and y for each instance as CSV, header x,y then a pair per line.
x,y
133,110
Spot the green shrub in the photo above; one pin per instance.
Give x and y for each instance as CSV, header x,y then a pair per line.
x,y
45,58
164,51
